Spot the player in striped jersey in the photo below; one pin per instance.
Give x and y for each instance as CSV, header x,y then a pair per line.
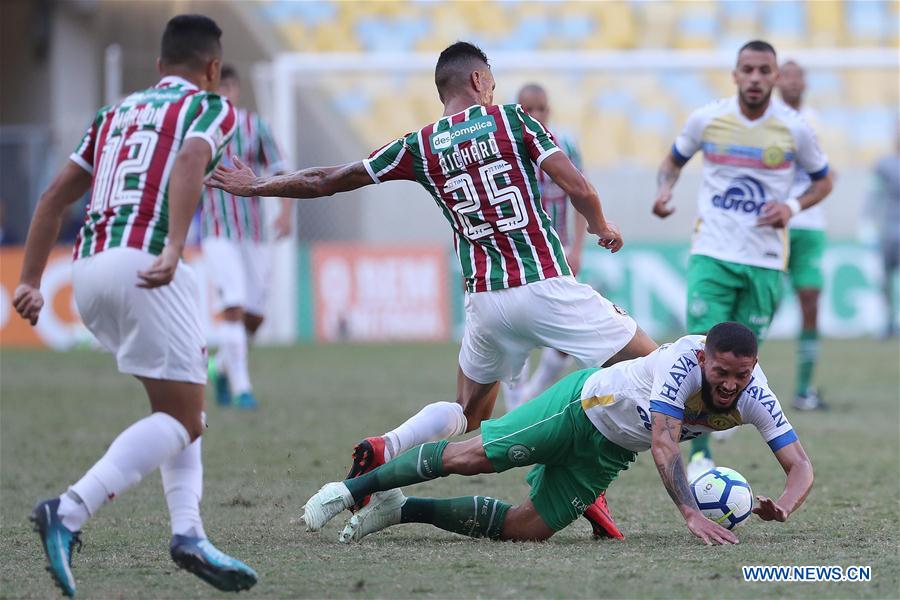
x,y
146,158
479,162
234,250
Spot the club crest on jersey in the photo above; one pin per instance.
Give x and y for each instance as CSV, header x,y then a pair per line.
x,y
773,156
462,132
743,195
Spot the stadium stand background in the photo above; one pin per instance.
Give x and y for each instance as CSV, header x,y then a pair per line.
x,y
61,59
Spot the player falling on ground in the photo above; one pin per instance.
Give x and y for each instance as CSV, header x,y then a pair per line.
x,y
146,158
533,99
235,251
579,434
807,238
752,148
479,162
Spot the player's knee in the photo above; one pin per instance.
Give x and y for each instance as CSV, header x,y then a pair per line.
x,y
194,427
466,458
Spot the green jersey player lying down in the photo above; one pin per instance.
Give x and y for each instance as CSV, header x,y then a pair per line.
x,y
578,435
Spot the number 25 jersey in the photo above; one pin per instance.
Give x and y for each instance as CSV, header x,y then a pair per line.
x,y
130,149
480,166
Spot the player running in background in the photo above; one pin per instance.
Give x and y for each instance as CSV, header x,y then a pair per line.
x,y
807,238
579,434
479,162
146,158
533,99
752,148
235,251
882,213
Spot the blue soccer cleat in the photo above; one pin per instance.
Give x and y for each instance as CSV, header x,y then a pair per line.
x,y
220,383
58,542
200,557
246,401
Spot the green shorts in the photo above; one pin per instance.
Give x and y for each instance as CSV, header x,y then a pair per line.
x,y
573,461
718,290
805,263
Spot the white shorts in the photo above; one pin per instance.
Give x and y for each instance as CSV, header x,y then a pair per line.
x,y
503,326
239,271
153,333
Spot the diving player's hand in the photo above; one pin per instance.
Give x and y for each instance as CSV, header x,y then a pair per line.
x,y
28,302
162,271
711,533
774,214
610,237
661,206
238,181
768,510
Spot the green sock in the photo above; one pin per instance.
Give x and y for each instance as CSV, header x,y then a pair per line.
x,y
413,466
474,516
701,444
807,354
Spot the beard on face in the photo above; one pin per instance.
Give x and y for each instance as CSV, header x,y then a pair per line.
x,y
761,102
706,393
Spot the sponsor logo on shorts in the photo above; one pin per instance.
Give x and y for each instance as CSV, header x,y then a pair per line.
x,y
698,307
518,454
579,506
743,195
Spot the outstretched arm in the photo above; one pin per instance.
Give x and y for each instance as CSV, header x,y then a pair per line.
x,y
667,456
584,198
668,174
314,182
69,185
797,466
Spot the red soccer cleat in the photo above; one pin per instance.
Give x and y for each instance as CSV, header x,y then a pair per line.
x,y
367,455
601,521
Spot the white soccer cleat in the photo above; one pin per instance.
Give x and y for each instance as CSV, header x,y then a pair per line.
x,y
382,511
698,465
331,500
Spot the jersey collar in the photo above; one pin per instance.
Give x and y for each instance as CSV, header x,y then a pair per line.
x,y
176,80
735,103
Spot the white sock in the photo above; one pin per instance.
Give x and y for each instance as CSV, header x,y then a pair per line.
x,y
182,479
233,348
512,391
135,452
436,421
549,369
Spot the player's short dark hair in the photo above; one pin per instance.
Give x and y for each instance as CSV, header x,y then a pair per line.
x,y
759,46
455,64
732,337
190,41
229,72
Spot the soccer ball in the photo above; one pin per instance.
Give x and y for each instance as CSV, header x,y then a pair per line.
x,y
723,496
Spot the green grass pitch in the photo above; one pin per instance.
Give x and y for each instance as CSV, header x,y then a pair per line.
x,y
60,411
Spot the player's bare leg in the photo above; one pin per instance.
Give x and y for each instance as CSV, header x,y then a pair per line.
x,y
640,345
806,396
233,352
252,323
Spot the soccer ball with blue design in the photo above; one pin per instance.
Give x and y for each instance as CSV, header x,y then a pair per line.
x,y
723,496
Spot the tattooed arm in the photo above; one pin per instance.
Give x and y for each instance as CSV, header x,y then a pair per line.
x,y
668,174
667,456
314,182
